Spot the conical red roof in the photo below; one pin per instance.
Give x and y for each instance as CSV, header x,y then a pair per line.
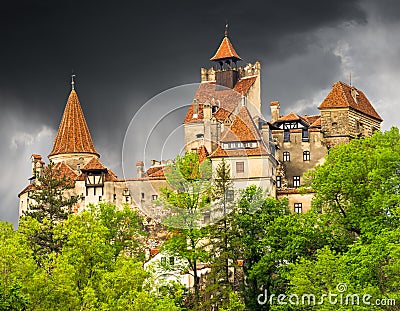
x,y
226,51
73,135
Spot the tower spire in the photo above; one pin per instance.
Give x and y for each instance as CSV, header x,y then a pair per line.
x,y
72,81
73,136
226,28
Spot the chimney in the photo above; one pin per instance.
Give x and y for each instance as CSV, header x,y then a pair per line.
x,y
37,164
195,108
274,111
207,111
139,169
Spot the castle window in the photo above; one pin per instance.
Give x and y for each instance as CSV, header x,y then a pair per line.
x,y
286,156
296,181
172,260
154,197
230,195
239,167
115,197
278,181
142,195
306,155
127,198
298,208
304,134
100,198
199,136
286,135
334,125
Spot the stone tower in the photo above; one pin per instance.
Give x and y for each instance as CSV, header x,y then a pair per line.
x,y
224,88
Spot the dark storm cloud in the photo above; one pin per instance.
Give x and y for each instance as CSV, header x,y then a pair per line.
x,y
125,52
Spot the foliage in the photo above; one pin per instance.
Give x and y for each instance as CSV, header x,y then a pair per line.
x,y
50,204
93,271
359,184
16,266
187,198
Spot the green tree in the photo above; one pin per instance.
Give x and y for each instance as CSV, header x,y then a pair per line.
x,y
358,184
187,199
218,289
16,266
249,223
96,268
51,204
125,228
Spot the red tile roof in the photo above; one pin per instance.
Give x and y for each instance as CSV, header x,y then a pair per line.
x,y
37,156
94,164
73,135
340,97
316,122
26,189
290,117
244,84
155,171
242,129
259,151
225,51
63,169
228,99
203,153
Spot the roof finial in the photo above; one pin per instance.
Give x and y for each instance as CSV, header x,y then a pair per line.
x,y
226,27
72,80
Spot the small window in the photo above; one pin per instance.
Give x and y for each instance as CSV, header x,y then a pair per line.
x,y
298,208
278,181
115,197
142,195
154,197
286,135
334,125
286,156
304,134
94,191
199,136
127,198
230,195
239,167
306,155
172,260
100,198
296,181
163,260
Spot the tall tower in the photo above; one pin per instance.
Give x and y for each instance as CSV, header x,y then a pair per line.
x,y
73,143
226,57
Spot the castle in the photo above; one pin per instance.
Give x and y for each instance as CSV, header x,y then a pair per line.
x,y
224,121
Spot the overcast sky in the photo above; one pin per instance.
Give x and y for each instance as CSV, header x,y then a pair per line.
x,y
125,53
